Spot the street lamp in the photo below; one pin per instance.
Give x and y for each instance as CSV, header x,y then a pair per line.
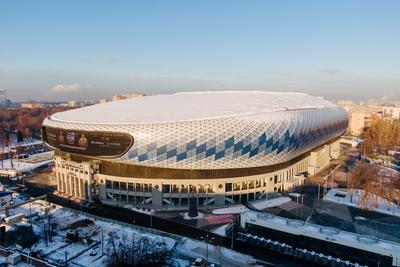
x,y
207,239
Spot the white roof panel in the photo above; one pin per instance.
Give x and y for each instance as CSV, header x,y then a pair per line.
x,y
190,106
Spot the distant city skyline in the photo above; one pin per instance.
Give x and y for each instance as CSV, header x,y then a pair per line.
x,y
89,50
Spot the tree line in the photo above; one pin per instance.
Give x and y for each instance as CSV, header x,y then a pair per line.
x,y
25,121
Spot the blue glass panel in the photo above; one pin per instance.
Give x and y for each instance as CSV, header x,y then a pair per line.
x,y
229,142
133,153
181,156
238,146
287,135
161,150
254,152
220,154
280,149
262,139
171,153
200,149
210,151
246,149
269,143
142,157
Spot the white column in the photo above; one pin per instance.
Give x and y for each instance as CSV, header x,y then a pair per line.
x,y
58,181
77,187
70,184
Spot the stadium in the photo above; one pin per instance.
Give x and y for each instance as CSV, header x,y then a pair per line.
x,y
217,147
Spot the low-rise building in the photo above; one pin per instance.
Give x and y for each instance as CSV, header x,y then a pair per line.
x,y
125,96
5,199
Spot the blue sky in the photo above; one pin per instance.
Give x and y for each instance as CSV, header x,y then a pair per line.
x,y
57,50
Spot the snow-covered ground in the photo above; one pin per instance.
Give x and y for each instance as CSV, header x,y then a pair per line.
x,y
219,255
80,254
24,165
220,230
237,209
352,197
272,202
260,205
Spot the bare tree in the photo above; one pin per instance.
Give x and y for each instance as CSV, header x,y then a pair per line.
x,y
127,251
377,184
366,177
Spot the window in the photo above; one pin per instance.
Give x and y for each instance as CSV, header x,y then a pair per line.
x,y
166,188
275,179
175,188
108,184
251,184
244,185
184,189
130,187
123,186
228,187
147,187
139,187
116,185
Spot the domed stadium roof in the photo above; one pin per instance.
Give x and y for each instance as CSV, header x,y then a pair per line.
x,y
190,106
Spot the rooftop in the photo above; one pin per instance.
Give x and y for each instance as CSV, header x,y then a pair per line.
x,y
309,228
190,106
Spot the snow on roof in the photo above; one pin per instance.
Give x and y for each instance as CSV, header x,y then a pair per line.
x,y
313,229
190,106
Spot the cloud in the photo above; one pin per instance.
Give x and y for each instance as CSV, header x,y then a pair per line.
x,y
65,88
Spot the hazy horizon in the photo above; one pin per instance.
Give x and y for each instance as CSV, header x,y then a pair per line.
x,y
76,50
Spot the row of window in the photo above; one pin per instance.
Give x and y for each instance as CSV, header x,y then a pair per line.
x,y
132,187
71,169
128,199
174,188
